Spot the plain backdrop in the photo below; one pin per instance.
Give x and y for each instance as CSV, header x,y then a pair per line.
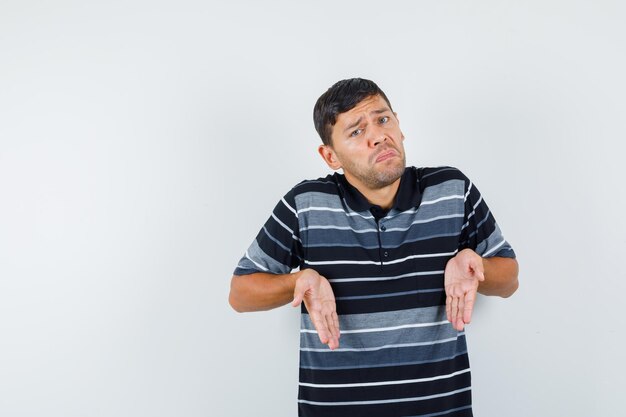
x,y
144,143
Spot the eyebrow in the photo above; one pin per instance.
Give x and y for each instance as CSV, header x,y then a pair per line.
x,y
358,122
353,125
381,110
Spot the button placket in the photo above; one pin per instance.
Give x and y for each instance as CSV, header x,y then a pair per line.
x,y
382,228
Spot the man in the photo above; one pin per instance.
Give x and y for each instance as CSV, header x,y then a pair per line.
x,y
391,257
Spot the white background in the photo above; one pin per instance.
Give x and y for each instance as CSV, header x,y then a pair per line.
x,y
144,143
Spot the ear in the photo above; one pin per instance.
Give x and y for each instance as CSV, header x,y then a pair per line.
x,y
329,156
402,134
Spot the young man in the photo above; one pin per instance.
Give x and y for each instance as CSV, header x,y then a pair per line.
x,y
388,256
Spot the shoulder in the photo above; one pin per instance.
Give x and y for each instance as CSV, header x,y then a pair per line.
x,y
429,176
319,191
326,185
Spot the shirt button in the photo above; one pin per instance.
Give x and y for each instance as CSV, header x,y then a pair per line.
x,y
386,254
383,228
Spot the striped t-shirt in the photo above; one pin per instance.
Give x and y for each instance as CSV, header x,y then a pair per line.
x,y
398,355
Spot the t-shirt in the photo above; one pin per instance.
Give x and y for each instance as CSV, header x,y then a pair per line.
x,y
398,355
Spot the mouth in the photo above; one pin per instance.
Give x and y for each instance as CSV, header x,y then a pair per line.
x,y
383,156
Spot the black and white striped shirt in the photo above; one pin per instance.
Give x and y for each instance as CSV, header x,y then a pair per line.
x,y
398,355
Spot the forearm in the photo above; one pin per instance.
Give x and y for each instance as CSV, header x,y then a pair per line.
x,y
500,277
261,291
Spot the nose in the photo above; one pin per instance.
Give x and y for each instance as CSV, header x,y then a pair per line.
x,y
376,136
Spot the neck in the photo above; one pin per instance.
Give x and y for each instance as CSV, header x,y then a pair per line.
x,y
382,197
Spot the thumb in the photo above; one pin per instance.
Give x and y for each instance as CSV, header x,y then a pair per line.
x,y
297,298
478,269
480,275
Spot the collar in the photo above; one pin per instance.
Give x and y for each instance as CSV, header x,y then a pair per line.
x,y
407,197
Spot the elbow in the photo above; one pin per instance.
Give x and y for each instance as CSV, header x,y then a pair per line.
x,y
234,298
511,289
514,285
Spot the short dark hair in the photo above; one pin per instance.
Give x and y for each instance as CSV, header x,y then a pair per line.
x,y
343,96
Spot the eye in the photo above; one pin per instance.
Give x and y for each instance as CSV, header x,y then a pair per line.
x,y
383,120
355,133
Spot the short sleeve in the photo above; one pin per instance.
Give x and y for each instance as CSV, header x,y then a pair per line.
x,y
480,232
277,248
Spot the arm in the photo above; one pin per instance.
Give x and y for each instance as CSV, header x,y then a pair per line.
x,y
500,277
262,291
468,272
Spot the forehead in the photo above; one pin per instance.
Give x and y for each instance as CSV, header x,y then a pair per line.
x,y
363,108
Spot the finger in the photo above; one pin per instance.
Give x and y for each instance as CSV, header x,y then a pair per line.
x,y
298,293
461,308
297,299
333,340
333,343
320,325
336,323
333,324
455,309
459,324
480,275
469,306
449,308
479,269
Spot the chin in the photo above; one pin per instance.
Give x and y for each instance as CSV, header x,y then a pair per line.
x,y
389,176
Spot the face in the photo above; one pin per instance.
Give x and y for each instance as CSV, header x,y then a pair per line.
x,y
367,144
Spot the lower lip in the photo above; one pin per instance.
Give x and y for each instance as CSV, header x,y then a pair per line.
x,y
385,156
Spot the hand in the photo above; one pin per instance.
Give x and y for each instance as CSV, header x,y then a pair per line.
x,y
318,297
462,275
